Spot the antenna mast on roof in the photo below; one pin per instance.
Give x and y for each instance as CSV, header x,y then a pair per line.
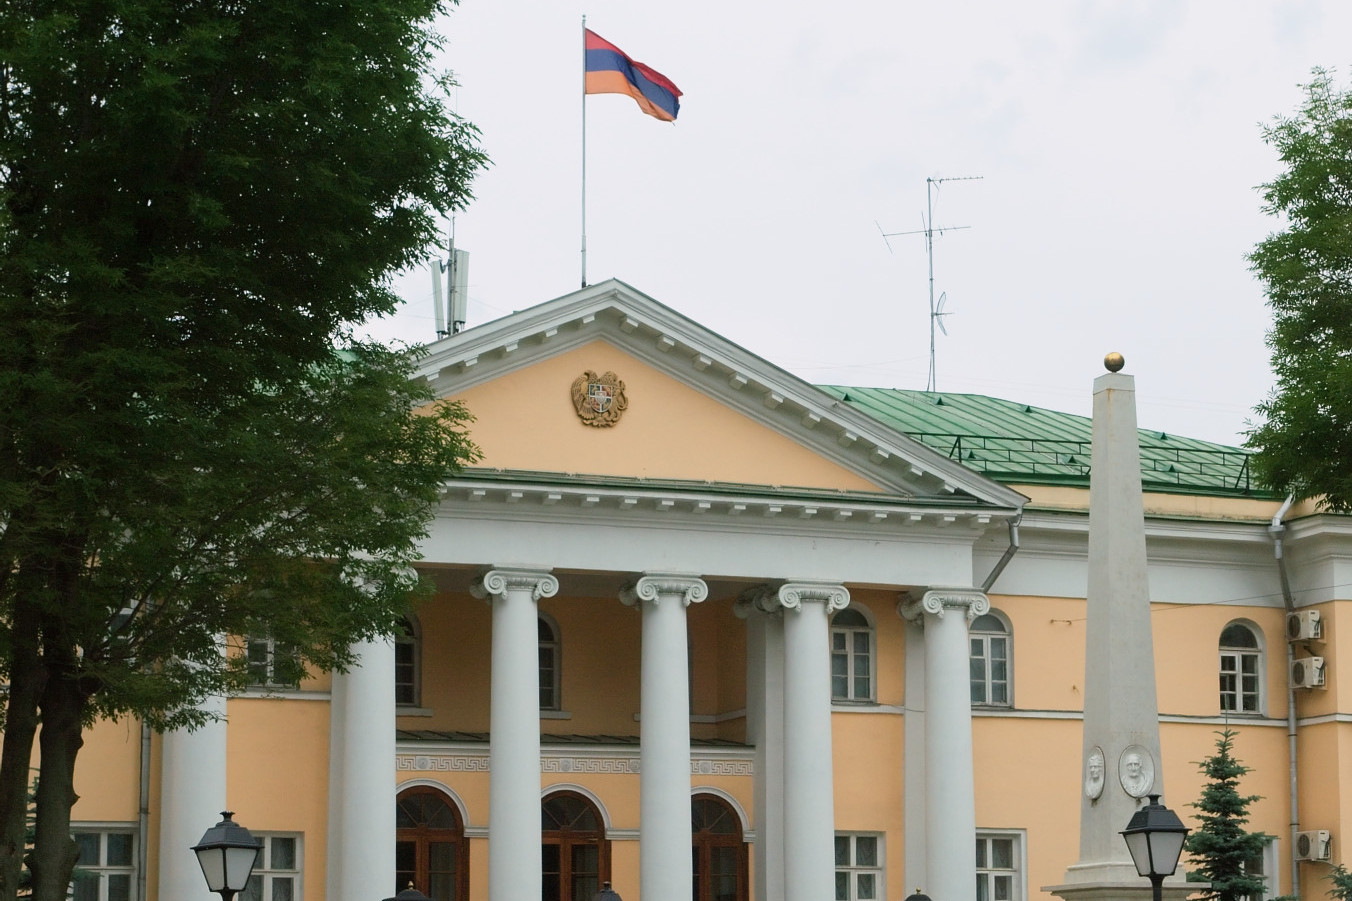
x,y
450,304
937,311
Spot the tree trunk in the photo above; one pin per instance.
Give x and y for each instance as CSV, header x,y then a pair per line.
x,y
27,680
63,706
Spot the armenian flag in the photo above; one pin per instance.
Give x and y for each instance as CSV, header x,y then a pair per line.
x,y
610,71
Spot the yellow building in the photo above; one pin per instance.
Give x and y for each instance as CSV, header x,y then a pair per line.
x,y
690,608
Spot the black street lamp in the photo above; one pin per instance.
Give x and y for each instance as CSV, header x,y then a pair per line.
x,y
1155,839
917,895
409,894
227,853
607,893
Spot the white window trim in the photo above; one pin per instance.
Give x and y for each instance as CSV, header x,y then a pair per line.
x,y
267,873
1020,837
872,630
415,640
557,645
1008,635
271,684
1260,653
103,829
880,868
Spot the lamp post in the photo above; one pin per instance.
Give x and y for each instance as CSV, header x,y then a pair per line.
x,y
607,893
227,853
1155,839
409,894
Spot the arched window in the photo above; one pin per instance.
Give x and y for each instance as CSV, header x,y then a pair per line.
x,y
551,695
720,854
408,664
576,853
990,639
851,656
1241,669
430,847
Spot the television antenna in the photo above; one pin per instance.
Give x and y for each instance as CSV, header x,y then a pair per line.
x,y
936,308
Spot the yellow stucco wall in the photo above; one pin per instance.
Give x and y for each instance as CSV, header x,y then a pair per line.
x,y
526,420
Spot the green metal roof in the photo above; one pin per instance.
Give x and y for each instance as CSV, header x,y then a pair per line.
x,y
1017,443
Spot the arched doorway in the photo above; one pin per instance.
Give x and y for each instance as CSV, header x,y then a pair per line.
x,y
576,853
720,855
430,848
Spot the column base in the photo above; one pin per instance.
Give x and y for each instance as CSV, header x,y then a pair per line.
x,y
1138,889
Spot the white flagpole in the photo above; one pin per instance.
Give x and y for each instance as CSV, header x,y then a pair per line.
x,y
584,151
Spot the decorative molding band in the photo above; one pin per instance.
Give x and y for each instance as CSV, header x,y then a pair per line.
x,y
656,587
936,601
497,583
596,764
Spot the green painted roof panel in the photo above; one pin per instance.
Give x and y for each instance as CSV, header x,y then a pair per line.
x,y
1018,443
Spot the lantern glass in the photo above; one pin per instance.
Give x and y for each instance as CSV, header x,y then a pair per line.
x,y
227,854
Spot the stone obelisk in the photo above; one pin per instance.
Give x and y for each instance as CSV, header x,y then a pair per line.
x,y
1120,764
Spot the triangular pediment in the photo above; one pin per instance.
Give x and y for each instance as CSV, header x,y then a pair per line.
x,y
701,408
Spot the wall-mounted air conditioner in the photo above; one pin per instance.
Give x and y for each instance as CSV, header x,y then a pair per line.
x,y
1314,845
1307,672
1304,625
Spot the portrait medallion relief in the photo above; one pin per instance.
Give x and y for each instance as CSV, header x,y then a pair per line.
x,y
1136,771
1093,774
599,399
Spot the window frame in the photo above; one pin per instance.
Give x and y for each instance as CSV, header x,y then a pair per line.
x,y
1258,655
555,648
410,638
266,873
271,650
853,869
567,839
422,836
850,654
703,841
1018,858
103,870
985,637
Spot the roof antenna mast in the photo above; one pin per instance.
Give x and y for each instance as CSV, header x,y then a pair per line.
x,y
937,311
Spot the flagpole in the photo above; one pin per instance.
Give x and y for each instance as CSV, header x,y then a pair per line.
x,y
584,151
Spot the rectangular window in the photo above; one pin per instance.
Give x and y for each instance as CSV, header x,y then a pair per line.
x,y
999,866
276,876
1264,866
106,867
1239,682
990,669
272,664
859,867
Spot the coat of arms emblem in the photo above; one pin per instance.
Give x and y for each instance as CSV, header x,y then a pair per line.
x,y
599,399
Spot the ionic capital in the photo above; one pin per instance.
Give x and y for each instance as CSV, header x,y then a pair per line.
x,y
658,587
773,599
498,583
936,601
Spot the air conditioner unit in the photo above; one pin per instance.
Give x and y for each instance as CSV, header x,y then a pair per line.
x,y
1304,626
1307,672
1314,845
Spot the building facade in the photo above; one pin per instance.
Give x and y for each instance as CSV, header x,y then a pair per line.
x,y
701,629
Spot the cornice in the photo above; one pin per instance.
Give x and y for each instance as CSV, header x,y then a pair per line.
x,y
482,496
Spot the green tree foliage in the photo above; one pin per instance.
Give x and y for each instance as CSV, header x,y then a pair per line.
x,y
198,200
1305,440
1221,849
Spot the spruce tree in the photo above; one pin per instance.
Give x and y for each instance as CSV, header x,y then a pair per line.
x,y
1221,848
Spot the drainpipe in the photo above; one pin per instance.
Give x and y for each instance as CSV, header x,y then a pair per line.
x,y
143,818
1007,556
1276,530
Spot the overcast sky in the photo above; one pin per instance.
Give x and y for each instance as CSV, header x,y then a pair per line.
x,y
1119,147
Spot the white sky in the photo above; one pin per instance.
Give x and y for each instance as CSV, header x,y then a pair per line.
x,y
1119,144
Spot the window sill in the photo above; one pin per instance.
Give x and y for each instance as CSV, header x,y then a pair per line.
x,y
555,715
412,711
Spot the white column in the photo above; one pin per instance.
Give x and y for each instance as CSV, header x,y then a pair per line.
x,y
765,730
361,776
664,862
192,796
809,800
950,797
514,861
